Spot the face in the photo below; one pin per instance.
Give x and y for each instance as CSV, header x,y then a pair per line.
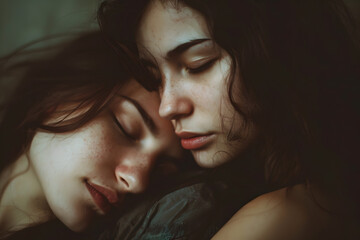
x,y
195,75
85,173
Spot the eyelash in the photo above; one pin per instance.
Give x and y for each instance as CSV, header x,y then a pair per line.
x,y
202,68
118,124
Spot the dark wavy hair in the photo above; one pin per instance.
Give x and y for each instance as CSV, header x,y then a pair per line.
x,y
74,81
299,63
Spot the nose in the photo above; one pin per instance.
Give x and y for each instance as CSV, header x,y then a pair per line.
x,y
174,103
133,175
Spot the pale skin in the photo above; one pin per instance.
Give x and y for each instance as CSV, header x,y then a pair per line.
x,y
194,72
195,98
118,150
20,205
296,213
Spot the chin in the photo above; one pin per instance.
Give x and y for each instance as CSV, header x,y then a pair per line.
x,y
211,158
77,226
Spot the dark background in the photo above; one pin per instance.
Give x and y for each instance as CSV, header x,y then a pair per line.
x,y
22,21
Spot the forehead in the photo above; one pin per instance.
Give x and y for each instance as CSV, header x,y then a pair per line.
x,y
163,26
150,102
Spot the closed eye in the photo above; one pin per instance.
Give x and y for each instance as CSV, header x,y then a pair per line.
x,y
123,131
201,68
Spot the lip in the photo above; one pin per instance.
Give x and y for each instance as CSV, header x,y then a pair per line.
x,y
104,198
194,141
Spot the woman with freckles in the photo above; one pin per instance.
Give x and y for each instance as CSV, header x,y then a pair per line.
x,y
268,88
78,136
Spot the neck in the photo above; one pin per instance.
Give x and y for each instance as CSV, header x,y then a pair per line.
x,y
22,201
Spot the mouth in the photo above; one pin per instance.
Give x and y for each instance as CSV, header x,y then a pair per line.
x,y
195,141
104,198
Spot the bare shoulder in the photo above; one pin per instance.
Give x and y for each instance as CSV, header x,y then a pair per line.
x,y
271,215
288,213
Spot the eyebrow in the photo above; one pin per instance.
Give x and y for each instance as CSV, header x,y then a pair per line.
x,y
185,46
145,116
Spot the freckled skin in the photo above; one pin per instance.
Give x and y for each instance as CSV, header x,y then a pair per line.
x,y
101,153
194,102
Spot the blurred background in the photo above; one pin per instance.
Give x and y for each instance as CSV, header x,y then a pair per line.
x,y
22,21
26,21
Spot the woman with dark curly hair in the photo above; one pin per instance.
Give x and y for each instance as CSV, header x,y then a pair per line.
x,y
271,84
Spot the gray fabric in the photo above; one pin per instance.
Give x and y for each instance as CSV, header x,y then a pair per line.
x,y
192,212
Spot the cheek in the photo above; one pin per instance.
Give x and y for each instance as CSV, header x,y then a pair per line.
x,y
62,161
96,149
222,78
229,118
212,89
48,152
71,153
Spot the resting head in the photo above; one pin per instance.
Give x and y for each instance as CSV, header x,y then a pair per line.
x,y
82,135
